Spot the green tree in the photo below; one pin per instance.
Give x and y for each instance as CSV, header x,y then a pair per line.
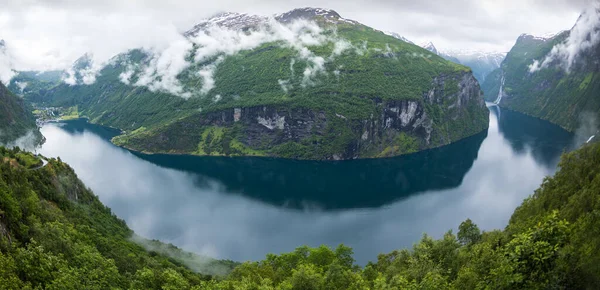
x,y
468,232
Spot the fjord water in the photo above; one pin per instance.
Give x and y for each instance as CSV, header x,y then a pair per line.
x,y
244,208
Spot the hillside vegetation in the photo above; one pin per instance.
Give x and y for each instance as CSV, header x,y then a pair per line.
x,y
551,93
16,119
354,81
55,234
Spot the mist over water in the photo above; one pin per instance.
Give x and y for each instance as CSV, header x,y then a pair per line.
x,y
244,208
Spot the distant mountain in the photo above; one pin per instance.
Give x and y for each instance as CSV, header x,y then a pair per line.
x,y
33,85
556,78
482,63
306,84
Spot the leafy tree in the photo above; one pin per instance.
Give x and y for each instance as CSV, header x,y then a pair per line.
x,y
468,232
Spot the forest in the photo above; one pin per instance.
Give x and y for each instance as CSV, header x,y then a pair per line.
x,y
55,234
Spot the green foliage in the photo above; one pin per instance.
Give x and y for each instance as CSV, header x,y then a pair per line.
x,y
550,243
55,234
32,84
468,232
379,69
551,93
16,119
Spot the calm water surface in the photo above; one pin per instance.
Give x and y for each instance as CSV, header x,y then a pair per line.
x,y
244,208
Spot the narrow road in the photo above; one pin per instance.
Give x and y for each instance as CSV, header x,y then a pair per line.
x,y
44,163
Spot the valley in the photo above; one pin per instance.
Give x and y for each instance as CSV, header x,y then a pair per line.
x,y
184,145
427,102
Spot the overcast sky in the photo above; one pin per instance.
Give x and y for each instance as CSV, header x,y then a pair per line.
x,y
51,34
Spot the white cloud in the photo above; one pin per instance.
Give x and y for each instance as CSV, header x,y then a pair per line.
x,y
46,35
70,77
285,85
125,77
584,35
161,74
21,86
6,66
162,71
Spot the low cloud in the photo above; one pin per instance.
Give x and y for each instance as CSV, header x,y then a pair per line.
x,y
6,65
197,263
213,44
84,71
584,36
21,86
28,142
285,85
164,67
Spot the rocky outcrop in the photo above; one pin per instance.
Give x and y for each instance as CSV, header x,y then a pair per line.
x,y
443,115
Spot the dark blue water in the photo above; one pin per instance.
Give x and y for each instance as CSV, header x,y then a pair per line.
x,y
244,208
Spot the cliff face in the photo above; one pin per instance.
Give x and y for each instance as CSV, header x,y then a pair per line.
x,y
451,110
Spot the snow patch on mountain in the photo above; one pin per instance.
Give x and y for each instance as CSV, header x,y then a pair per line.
x,y
429,46
398,36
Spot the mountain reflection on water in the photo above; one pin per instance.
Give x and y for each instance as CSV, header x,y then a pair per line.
x,y
244,208
334,184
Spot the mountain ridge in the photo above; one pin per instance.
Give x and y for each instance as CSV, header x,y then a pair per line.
x,y
542,77
321,87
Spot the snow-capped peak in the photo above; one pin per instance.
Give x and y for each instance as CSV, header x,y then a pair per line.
x,y
397,36
230,20
310,13
243,21
429,46
544,37
469,55
307,13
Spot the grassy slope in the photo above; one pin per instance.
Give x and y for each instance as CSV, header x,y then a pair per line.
x,y
251,79
55,234
550,93
16,118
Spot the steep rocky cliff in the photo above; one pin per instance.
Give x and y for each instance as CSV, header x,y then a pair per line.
x,y
443,115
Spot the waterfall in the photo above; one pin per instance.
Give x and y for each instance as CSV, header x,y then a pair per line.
x,y
591,138
500,92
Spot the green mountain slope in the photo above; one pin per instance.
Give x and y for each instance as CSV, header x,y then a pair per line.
x,y
32,85
16,119
354,93
551,93
55,234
